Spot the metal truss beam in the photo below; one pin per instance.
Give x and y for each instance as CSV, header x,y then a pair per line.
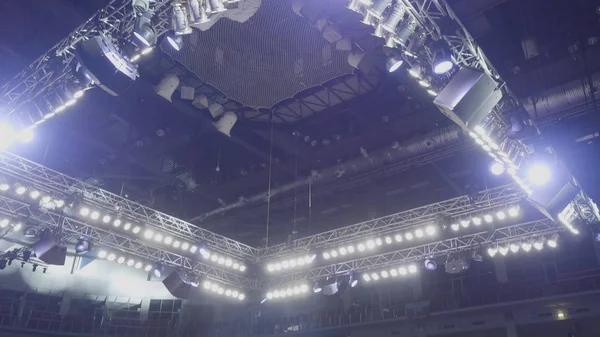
x,y
20,168
54,66
496,197
70,227
428,250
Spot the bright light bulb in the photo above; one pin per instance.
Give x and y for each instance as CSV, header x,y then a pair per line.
x,y
408,236
361,247
412,269
333,253
551,243
503,250
84,211
127,226
111,257
102,254
513,211
120,260
430,230
384,274
130,263
476,221
492,251
526,246
375,276
398,238
370,244
366,277
117,223
501,215
465,223
158,237
378,242
185,246
388,240
497,168
455,226
136,229
419,233
95,215
514,248
343,251
350,249
148,234
538,245
34,194
326,255
488,218
539,174
106,219
138,265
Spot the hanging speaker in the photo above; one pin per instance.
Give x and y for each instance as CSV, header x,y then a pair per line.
x,y
101,62
469,97
226,123
167,86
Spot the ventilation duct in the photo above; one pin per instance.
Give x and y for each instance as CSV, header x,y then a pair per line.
x,y
418,146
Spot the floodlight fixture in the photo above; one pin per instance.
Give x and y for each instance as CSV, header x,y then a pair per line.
x,y
442,61
143,30
497,168
539,174
175,41
393,63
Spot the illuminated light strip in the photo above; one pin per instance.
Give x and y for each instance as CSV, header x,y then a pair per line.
x,y
535,244
477,220
43,200
219,289
383,274
292,263
124,260
222,260
372,244
290,291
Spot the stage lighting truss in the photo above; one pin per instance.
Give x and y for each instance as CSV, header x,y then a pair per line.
x,y
476,220
295,290
222,260
568,216
36,197
291,263
393,272
536,243
125,259
217,288
370,245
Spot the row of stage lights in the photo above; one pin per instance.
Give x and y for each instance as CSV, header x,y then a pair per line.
x,y
501,215
393,272
538,244
158,237
371,244
291,263
216,288
48,202
290,291
130,262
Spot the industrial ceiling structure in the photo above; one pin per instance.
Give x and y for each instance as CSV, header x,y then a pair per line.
x,y
326,146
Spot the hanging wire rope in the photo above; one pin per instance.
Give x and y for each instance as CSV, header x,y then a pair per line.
x,y
270,178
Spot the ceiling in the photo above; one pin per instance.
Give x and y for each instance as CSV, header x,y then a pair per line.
x,y
372,142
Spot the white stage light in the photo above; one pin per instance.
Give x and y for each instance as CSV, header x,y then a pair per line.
x,y
503,250
398,238
185,246
84,211
476,221
106,219
120,260
538,245
492,251
526,246
136,229
424,84
343,251
551,243
465,223
488,218
117,223
419,233
94,215
375,276
408,236
514,248
148,234
455,226
148,268
334,253
388,240
402,271
193,249
513,212
432,92
177,244
350,249
326,255
370,244
158,237
130,263
497,168
412,269
378,242
384,274
34,194
539,174
393,63
111,257
138,265
102,254
501,215
221,260
242,268
430,230
366,277
442,62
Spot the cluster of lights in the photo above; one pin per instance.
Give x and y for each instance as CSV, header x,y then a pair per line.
x,y
218,289
515,247
390,273
291,263
415,72
8,135
107,219
158,237
290,291
502,161
122,259
222,260
501,215
6,222
566,217
43,200
371,244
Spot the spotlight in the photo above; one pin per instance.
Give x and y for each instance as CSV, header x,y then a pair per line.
x,y
488,218
148,268
397,237
138,265
514,248
465,223
4,223
121,260
432,92
408,236
82,246
419,233
476,220
393,63
106,219
415,71
34,194
497,168
94,215
503,250
102,254
143,29
353,281
117,223
158,270
492,251
455,226
538,245
111,257
513,211
501,215
442,62
526,246
317,288
551,243
181,24
424,84
539,174
175,41
20,190
430,230
430,264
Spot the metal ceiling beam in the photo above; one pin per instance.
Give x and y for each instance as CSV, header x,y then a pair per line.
x,y
113,240
496,197
505,235
20,168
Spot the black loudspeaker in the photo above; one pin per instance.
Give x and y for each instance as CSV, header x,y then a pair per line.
x,y
554,196
56,256
44,244
100,60
178,285
469,97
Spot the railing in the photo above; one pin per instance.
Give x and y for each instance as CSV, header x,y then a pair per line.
x,y
368,314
